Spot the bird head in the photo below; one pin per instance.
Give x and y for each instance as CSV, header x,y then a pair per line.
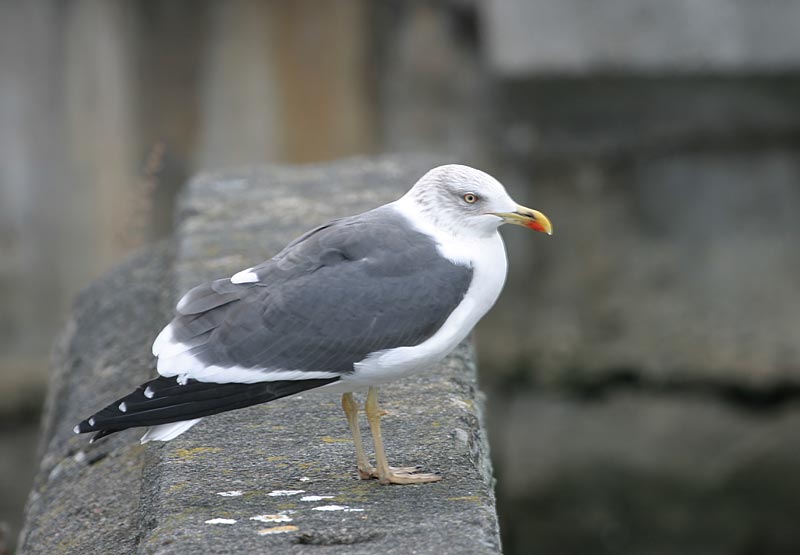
x,y
465,201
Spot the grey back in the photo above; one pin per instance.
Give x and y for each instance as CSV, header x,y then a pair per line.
x,y
338,293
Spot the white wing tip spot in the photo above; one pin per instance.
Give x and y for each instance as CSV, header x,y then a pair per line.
x,y
123,407
245,276
76,429
91,421
148,392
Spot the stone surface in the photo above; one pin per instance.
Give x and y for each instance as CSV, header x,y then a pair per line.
x,y
218,487
673,260
583,36
647,472
643,362
87,498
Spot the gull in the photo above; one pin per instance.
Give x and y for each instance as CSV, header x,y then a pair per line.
x,y
349,306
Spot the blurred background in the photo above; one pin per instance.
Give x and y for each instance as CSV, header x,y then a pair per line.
x,y
643,365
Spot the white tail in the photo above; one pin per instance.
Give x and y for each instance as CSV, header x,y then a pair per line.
x,y
166,432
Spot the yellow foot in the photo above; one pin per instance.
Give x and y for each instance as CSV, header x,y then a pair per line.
x,y
400,475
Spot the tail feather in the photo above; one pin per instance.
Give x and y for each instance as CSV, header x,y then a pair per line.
x,y
164,401
166,432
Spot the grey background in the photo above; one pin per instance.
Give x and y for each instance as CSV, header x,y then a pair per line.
x,y
642,364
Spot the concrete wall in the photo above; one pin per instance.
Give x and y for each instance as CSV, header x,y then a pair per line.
x,y
581,36
646,377
662,138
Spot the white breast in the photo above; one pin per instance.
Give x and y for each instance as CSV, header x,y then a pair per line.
x,y
487,257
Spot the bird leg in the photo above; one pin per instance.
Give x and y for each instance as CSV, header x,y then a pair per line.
x,y
350,406
385,473
365,470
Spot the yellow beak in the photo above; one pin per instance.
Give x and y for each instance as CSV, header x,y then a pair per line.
x,y
527,217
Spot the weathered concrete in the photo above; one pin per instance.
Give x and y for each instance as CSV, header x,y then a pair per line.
x,y
647,472
646,360
88,499
674,208
118,496
580,36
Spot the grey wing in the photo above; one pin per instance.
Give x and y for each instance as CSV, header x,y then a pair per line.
x,y
341,292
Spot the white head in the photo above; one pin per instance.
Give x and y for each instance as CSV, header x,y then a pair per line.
x,y
464,201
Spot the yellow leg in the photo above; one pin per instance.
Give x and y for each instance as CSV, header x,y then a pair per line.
x,y
387,474
350,406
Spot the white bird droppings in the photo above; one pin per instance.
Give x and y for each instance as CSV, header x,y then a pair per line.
x,y
285,492
221,521
230,493
315,497
302,478
272,518
337,508
278,530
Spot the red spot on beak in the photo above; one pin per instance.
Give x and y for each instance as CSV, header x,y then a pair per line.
x,y
536,226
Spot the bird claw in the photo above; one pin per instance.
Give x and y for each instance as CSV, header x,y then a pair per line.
x,y
367,474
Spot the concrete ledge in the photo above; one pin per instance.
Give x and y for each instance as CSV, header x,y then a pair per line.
x,y
580,36
218,488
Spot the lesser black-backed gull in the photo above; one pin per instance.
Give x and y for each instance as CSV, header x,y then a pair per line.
x,y
348,306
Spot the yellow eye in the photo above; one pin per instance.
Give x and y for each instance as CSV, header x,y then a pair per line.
x,y
470,198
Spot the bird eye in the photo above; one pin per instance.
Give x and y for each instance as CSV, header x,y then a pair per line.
x,y
470,198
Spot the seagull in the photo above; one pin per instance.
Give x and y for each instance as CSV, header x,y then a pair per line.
x,y
348,306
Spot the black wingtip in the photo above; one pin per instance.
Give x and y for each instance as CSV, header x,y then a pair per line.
x,y
86,426
101,434
163,400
